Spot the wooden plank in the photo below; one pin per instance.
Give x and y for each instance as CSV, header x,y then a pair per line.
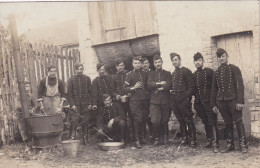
x,y
71,66
56,61
32,71
62,65
66,65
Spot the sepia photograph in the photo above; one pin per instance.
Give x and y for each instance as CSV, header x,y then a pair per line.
x,y
131,84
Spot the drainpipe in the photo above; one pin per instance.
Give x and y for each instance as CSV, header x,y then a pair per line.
x,y
18,65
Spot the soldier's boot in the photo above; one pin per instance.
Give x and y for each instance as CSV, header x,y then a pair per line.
x,y
156,129
192,133
150,127
142,133
215,138
230,139
242,137
73,132
137,139
208,135
184,133
165,134
84,134
122,133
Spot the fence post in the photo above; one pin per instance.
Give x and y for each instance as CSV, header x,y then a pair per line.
x,y
18,66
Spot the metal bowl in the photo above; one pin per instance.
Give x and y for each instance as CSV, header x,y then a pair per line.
x,y
124,98
108,146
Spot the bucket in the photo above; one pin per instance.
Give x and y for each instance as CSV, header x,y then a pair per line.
x,y
70,147
45,129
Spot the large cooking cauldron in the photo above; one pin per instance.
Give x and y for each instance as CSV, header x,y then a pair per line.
x,y
45,129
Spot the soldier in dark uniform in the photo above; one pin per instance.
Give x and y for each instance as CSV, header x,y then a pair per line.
x,y
181,94
228,96
80,100
146,68
100,85
159,83
203,84
118,81
22,126
112,118
136,84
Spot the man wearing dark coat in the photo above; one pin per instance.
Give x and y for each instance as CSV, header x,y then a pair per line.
x,y
136,84
181,94
228,96
159,84
146,68
203,83
118,81
112,119
100,85
80,100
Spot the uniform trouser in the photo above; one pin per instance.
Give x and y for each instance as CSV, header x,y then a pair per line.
x,y
208,117
83,117
140,115
128,113
181,107
230,115
117,127
148,117
160,115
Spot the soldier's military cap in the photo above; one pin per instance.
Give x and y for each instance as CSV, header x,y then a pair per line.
x,y
105,97
157,57
197,56
220,51
77,65
172,55
99,65
139,58
119,61
144,59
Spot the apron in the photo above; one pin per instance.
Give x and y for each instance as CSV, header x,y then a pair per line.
x,y
51,102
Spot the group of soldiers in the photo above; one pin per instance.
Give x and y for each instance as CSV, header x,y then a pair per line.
x,y
152,96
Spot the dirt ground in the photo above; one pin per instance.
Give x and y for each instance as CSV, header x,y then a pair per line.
x,y
172,156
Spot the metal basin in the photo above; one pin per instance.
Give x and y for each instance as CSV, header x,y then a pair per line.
x,y
45,129
108,146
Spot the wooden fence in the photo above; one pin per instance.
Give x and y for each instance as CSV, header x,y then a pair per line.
x,y
35,59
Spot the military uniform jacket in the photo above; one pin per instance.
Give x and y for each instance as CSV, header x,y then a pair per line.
x,y
131,79
79,90
100,85
203,83
118,81
182,83
114,111
159,96
227,84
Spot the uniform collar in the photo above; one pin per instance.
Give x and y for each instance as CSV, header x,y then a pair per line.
x,y
159,70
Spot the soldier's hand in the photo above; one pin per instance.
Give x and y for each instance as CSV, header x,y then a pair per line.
x,y
138,85
94,107
239,107
128,94
163,83
90,107
118,97
215,109
74,108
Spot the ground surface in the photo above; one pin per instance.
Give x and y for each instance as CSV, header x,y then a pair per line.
x,y
171,156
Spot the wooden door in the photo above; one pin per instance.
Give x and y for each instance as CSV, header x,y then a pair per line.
x,y
239,48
